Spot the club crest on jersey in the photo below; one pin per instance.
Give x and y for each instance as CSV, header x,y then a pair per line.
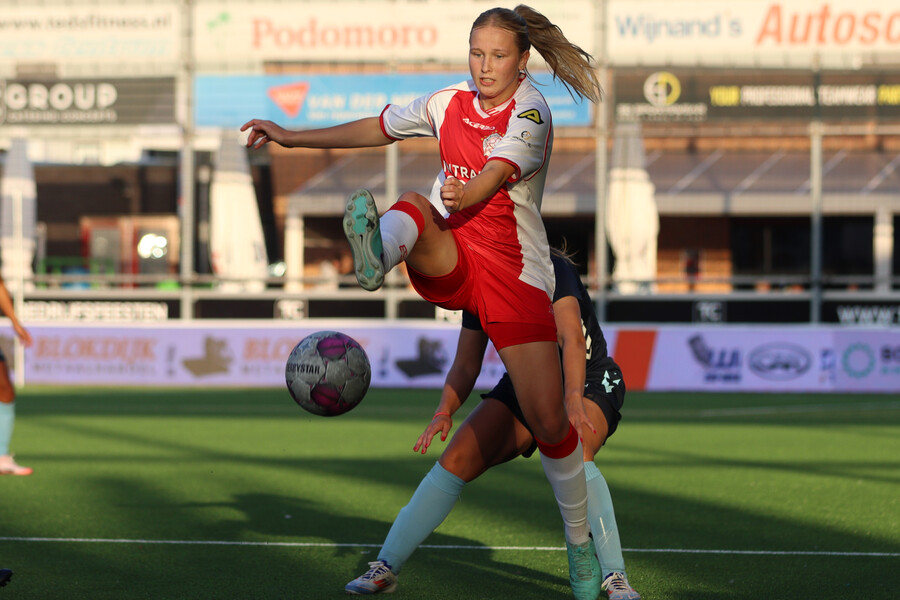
x,y
531,115
490,142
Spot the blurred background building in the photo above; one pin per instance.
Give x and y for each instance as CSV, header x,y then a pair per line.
x,y
742,168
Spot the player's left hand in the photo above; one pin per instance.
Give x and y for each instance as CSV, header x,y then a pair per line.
x,y
439,424
451,194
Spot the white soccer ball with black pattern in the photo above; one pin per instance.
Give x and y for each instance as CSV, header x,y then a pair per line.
x,y
328,373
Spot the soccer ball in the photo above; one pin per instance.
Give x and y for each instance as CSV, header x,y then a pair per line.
x,y
328,373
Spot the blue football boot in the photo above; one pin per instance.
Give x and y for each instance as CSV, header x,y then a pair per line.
x,y
361,226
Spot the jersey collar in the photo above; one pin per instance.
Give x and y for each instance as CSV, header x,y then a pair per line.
x,y
499,108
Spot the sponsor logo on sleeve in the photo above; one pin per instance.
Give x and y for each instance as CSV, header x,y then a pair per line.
x,y
531,115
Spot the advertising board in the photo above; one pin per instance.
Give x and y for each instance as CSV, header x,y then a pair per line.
x,y
743,359
306,100
402,31
223,354
230,35
748,33
91,33
88,101
418,353
867,361
716,95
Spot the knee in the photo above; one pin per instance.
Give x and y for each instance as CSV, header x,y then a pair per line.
x,y
463,466
420,202
453,463
414,198
551,430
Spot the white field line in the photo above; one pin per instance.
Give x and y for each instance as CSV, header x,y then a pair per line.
x,y
798,408
438,547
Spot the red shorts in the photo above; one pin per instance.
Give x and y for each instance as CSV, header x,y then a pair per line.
x,y
511,311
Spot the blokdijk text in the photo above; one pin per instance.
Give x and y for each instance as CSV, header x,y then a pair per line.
x,y
96,348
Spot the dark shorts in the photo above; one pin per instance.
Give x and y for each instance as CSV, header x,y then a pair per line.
x,y
606,390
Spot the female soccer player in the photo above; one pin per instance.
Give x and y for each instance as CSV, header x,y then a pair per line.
x,y
490,256
8,465
496,431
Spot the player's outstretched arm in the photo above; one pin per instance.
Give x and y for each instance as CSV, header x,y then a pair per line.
x,y
458,385
364,133
7,308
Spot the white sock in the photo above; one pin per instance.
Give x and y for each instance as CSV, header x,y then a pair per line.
x,y
399,233
566,477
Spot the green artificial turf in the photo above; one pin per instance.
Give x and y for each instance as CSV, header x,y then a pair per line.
x,y
213,494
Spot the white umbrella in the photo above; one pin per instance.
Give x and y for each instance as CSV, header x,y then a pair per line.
x,y
236,241
632,217
18,216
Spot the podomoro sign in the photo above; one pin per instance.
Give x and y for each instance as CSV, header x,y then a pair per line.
x,y
229,32
87,101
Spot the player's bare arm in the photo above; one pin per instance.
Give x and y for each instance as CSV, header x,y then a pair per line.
x,y
456,195
457,388
570,335
460,382
8,309
364,133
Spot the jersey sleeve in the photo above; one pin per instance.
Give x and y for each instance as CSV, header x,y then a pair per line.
x,y
526,143
404,122
420,118
567,279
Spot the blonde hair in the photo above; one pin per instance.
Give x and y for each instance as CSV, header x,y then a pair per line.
x,y
569,63
562,251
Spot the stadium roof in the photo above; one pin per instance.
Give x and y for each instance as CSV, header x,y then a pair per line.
x,y
702,183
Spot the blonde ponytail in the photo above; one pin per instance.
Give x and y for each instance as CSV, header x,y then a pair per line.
x,y
569,63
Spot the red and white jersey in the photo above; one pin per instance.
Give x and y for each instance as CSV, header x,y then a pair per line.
x,y
506,230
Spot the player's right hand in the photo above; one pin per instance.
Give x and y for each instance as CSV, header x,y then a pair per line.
x,y
262,132
440,423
